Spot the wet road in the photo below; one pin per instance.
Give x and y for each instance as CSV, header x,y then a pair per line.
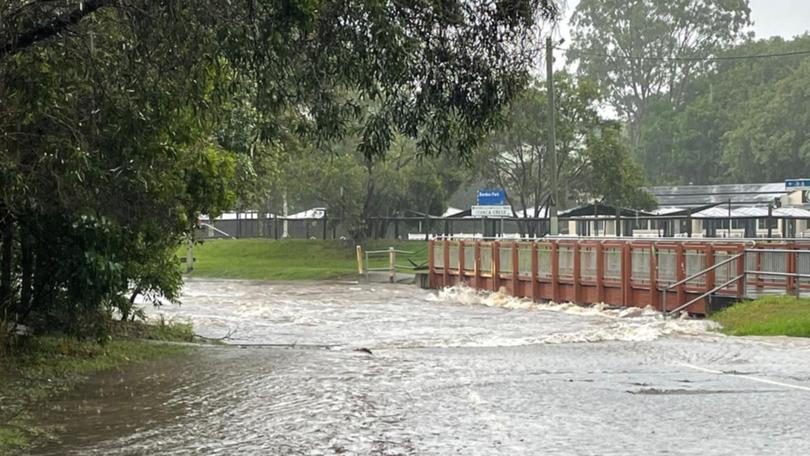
x,y
450,373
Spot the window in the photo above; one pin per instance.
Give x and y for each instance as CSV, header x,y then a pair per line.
x,y
762,224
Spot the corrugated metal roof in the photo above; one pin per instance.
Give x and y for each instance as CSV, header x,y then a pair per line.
x,y
752,212
698,195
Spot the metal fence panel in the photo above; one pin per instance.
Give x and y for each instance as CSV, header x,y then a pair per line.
x,y
803,265
566,259
505,256
438,255
469,257
544,261
727,271
525,260
641,265
667,266
613,263
695,262
486,258
773,262
587,258
452,262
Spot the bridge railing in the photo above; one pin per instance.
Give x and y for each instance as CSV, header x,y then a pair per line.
x,y
624,272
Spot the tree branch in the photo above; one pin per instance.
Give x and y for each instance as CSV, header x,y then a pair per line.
x,y
52,28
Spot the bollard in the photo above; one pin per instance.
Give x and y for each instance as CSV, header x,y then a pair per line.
x,y
392,261
359,250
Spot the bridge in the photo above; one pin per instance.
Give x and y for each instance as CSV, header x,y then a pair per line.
x,y
671,275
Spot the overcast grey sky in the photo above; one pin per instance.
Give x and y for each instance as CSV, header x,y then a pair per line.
x,y
785,18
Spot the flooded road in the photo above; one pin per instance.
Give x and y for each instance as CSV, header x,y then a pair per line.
x,y
449,373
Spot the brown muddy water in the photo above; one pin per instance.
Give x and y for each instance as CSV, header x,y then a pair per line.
x,y
452,372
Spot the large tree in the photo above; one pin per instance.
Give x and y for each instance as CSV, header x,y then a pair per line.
x,y
517,159
642,50
363,193
710,138
112,113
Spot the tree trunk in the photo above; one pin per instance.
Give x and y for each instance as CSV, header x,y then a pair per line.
x,y
27,268
7,263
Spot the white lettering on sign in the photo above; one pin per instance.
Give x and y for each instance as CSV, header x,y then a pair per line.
x,y
491,211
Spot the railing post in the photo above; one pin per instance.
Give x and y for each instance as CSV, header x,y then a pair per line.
x,y
577,274
431,263
535,266
654,276
392,261
461,259
496,265
515,268
627,270
709,249
741,262
680,274
555,271
600,272
477,265
792,282
446,268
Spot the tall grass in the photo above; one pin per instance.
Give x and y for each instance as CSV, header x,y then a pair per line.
x,y
767,316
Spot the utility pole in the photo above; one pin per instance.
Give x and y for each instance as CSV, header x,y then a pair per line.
x,y
552,138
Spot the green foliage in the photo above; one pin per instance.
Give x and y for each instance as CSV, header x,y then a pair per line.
x,y
608,33
123,120
614,178
592,162
768,316
772,142
742,122
516,157
356,189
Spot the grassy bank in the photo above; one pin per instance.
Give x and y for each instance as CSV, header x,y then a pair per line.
x,y
263,259
768,316
34,369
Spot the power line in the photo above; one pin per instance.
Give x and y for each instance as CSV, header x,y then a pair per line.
x,y
687,59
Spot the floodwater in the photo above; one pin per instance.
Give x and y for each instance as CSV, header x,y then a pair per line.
x,y
452,372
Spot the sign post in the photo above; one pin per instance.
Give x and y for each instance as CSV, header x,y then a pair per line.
x,y
491,204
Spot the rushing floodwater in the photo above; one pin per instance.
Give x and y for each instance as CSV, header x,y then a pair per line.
x,y
449,373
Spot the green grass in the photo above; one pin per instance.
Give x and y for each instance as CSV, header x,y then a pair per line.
x,y
768,316
35,369
263,259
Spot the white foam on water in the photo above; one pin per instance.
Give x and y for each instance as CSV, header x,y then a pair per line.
x,y
614,324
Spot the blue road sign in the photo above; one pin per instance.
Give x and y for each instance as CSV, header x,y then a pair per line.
x,y
491,197
797,183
